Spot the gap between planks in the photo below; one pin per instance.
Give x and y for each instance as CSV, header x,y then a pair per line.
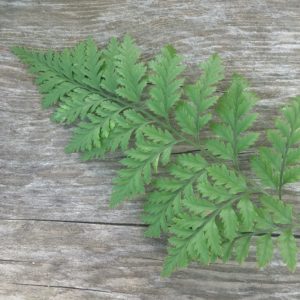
x,y
297,236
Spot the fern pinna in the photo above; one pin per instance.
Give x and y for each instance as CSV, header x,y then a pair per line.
x,y
203,200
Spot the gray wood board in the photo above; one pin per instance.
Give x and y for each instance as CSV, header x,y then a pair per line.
x,y
109,258
116,259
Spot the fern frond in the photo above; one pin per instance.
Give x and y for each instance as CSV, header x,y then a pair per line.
x,y
166,89
110,76
234,112
282,213
94,65
165,201
219,223
77,105
59,73
131,72
222,176
190,235
203,201
153,145
117,127
284,140
127,125
192,115
88,134
201,94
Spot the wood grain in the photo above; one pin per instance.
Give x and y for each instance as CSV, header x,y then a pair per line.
x,y
80,247
115,260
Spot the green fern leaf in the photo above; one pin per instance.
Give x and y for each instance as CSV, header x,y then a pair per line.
x,y
86,136
282,212
230,221
292,174
248,213
131,72
140,161
165,91
185,244
165,202
215,193
242,248
89,133
213,237
58,74
192,115
198,206
234,112
202,92
94,64
77,105
110,76
228,178
281,168
220,149
264,171
264,250
126,125
288,249
185,117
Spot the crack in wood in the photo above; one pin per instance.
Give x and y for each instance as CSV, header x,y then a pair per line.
x,y
16,261
81,222
61,287
297,236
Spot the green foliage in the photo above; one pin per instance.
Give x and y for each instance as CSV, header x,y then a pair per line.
x,y
165,91
264,250
234,111
164,203
110,77
131,72
288,249
242,248
152,146
192,115
76,106
278,164
202,200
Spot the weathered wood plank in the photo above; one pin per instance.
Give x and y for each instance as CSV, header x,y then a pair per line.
x,y
260,40
118,260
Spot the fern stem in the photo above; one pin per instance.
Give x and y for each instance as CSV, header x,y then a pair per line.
x,y
283,163
234,145
198,125
279,227
282,168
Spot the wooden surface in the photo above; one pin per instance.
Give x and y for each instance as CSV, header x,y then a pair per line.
x,y
58,238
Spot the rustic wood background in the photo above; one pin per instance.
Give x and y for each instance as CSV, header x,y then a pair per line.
x,y
58,238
